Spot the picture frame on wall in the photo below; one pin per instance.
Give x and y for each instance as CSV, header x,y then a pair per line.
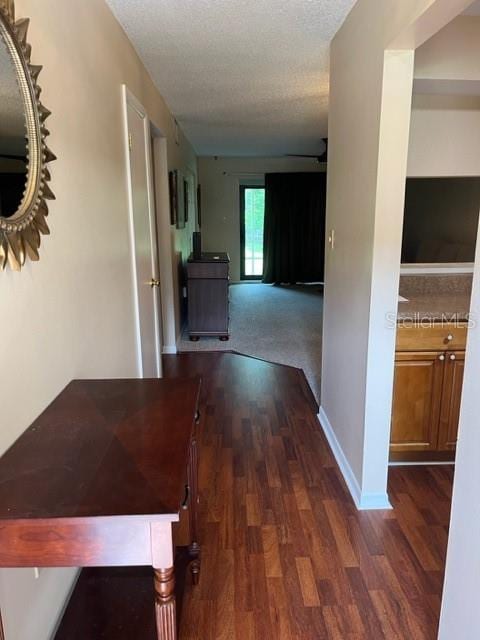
x,y
199,206
180,197
182,214
173,187
186,198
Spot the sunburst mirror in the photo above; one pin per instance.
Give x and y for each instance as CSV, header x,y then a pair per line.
x,y
24,155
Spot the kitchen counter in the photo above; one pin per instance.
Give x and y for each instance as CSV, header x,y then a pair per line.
x,y
435,307
435,298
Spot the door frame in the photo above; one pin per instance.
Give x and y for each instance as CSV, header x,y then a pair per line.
x,y
165,242
244,186
128,99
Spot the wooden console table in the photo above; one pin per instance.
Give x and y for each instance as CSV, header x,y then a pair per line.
x,y
99,479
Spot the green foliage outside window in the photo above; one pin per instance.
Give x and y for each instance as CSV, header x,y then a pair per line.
x,y
254,220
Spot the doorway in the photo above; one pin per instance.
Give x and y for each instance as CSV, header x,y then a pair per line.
x,y
252,218
143,237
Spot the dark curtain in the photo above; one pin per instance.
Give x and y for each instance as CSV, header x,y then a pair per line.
x,y
294,240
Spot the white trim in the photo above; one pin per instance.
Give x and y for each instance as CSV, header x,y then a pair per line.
x,y
152,217
130,100
136,311
164,237
421,463
169,350
363,501
183,329
432,269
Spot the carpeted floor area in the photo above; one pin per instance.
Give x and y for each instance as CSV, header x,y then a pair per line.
x,y
280,324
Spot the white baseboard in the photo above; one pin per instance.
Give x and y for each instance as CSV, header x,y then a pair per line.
x,y
363,500
435,463
169,349
372,501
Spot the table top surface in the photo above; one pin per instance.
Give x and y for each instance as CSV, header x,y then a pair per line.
x,y
103,448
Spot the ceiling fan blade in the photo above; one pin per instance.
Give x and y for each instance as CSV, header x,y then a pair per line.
x,y
5,156
321,157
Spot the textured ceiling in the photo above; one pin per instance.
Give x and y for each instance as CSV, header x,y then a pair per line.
x,y
242,77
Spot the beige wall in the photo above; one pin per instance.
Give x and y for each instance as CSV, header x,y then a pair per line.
x,y
220,180
445,136
445,128
453,53
368,142
71,314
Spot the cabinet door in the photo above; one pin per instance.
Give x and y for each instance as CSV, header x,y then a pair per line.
x,y
417,401
451,399
208,306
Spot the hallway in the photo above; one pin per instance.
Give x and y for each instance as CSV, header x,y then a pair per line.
x,y
285,553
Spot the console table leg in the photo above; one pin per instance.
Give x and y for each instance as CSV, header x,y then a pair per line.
x,y
165,613
194,553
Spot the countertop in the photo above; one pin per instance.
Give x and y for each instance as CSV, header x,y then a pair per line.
x,y
435,298
435,307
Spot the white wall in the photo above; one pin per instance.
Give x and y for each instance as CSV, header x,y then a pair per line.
x,y
445,127
445,136
220,180
453,53
71,314
368,146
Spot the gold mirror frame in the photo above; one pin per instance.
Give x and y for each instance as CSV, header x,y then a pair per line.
x,y
20,235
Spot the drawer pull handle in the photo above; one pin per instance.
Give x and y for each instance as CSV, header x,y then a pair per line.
x,y
449,337
442,357
187,497
453,357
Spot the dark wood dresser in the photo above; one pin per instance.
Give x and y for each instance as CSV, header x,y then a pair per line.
x,y
208,280
100,479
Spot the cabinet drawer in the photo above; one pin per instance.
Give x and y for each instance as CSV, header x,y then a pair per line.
x,y
208,270
441,337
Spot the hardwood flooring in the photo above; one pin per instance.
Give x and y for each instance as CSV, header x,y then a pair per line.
x,y
285,554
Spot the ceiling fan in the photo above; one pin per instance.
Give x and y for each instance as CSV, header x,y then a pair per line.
x,y
320,157
6,156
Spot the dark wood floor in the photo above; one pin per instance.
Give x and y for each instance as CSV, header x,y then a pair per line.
x,y
285,552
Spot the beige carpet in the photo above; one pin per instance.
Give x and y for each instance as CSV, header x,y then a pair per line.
x,y
278,324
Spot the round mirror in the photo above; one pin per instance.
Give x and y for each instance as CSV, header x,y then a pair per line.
x,y
24,154
13,141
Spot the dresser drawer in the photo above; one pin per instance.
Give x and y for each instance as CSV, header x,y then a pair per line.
x,y
441,337
207,270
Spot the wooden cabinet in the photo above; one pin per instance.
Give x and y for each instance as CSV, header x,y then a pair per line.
x,y
208,280
416,401
427,393
451,399
446,336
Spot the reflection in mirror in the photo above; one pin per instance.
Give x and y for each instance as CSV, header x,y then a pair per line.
x,y
13,142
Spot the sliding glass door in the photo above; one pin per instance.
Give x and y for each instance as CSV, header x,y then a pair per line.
x,y
252,214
